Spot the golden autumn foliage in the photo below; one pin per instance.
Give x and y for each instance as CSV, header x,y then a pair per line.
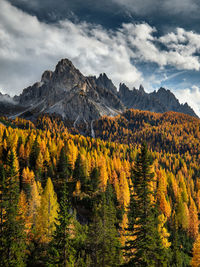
x,y
23,210
174,150
34,202
193,220
196,253
47,213
28,176
163,231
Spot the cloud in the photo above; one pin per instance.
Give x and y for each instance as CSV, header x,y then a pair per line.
x,y
139,7
28,47
191,96
172,7
180,7
180,46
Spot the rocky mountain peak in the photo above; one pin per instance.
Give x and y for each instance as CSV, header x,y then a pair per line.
x,y
163,91
64,65
46,76
123,90
141,89
104,82
80,100
161,101
166,97
66,76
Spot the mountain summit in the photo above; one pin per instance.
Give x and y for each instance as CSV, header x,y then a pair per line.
x,y
161,101
80,99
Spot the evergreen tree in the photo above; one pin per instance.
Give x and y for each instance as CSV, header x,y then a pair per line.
x,y
63,169
103,238
145,248
94,179
176,259
61,250
12,239
34,154
80,174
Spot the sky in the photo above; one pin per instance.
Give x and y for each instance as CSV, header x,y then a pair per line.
x,y
150,42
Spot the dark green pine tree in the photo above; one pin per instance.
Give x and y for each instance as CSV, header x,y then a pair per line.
x,y
181,245
12,239
176,259
63,172
63,168
34,154
130,230
94,180
79,174
145,248
103,238
61,251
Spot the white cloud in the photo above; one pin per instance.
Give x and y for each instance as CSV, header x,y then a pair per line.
x,y
28,47
180,52
191,96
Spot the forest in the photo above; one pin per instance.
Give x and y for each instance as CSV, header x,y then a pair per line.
x,y
129,197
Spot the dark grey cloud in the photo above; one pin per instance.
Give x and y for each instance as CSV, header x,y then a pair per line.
x,y
101,12
164,15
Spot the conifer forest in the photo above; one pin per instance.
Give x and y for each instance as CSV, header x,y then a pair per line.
x,y
129,197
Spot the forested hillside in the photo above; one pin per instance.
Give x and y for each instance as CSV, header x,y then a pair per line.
x,y
69,200
169,132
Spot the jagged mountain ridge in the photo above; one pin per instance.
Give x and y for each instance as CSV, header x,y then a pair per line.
x,y
161,101
70,94
80,99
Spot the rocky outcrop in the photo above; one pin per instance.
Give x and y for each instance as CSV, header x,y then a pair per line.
x,y
70,94
161,101
104,82
8,106
81,100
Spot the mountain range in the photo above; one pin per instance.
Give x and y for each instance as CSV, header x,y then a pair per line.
x,y
80,100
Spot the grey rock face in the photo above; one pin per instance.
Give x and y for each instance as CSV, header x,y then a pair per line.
x,y
104,82
70,94
81,100
8,105
161,101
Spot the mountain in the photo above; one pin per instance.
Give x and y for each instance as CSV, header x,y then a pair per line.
x,y
8,106
68,93
79,100
161,101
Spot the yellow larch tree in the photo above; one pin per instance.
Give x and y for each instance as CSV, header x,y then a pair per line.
x,y
34,202
39,162
47,214
23,211
193,220
27,176
196,253
124,195
103,173
164,235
